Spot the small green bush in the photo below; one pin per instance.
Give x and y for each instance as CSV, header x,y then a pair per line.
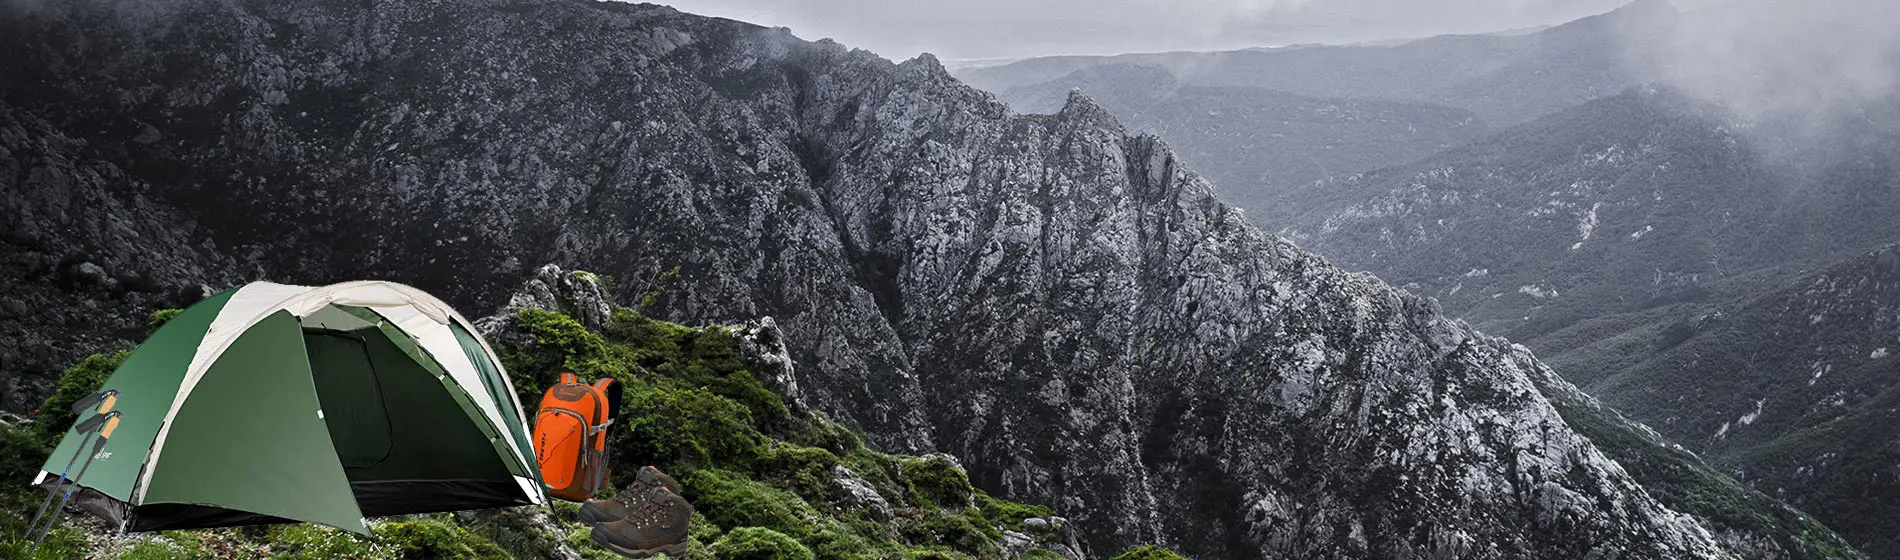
x,y
964,532
934,554
1010,514
843,544
757,543
437,539
55,416
1149,552
159,318
823,433
730,499
22,452
689,427
936,481
806,469
1040,554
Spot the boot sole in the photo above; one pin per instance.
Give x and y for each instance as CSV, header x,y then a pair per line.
x,y
677,550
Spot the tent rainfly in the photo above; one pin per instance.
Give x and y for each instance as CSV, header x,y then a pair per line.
x,y
275,404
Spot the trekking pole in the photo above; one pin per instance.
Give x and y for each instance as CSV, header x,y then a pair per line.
x,y
104,400
111,423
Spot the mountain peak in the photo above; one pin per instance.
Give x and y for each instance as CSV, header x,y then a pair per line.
x,y
1081,107
924,64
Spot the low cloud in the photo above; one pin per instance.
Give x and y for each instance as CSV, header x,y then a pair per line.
x,y
1805,67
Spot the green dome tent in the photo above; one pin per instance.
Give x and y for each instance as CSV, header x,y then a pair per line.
x,y
272,403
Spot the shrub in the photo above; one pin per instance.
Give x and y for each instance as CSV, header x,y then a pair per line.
x,y
22,452
55,416
652,342
159,318
757,543
1149,552
1010,514
434,538
806,469
934,554
841,543
936,481
964,532
730,499
689,427
1040,554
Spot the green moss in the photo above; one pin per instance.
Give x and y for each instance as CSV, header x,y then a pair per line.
x,y
1010,514
935,554
435,538
689,427
733,500
966,532
807,470
880,470
756,543
1149,552
936,481
1040,554
607,283
843,543
830,436
560,344
304,541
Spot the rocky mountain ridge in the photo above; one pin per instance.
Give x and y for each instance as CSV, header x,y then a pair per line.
x,y
1505,79
1254,143
1064,306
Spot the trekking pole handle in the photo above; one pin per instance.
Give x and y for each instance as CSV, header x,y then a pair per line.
x,y
106,432
103,399
88,425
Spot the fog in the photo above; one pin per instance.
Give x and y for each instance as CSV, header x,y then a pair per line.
x,y
1022,28
1806,67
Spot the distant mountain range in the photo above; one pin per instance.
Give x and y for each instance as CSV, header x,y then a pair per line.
x,y
1260,121
1267,139
1723,282
1652,252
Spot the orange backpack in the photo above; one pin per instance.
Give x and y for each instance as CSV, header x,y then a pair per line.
x,y
570,436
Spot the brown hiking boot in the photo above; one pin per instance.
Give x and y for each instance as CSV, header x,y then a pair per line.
x,y
656,527
623,505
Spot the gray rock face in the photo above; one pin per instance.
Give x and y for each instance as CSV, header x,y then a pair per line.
x,y
763,344
859,494
1060,304
1054,534
551,288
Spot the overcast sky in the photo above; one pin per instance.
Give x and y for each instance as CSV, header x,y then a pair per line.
x,y
964,29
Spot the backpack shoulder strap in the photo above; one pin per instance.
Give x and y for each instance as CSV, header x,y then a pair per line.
x,y
567,378
610,391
